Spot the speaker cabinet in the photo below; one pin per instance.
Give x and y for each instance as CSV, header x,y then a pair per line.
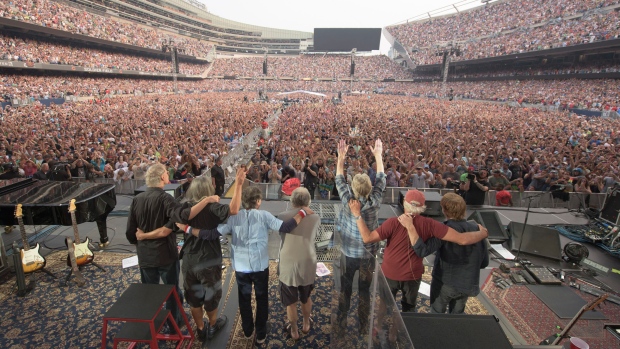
x,y
491,221
538,241
611,209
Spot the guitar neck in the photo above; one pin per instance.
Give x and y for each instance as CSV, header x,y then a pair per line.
x,y
76,235
22,231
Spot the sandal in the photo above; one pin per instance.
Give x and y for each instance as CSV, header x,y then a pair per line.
x,y
289,330
309,327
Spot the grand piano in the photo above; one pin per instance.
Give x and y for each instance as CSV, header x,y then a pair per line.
x,y
47,202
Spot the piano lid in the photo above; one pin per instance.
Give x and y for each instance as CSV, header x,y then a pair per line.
x,y
54,193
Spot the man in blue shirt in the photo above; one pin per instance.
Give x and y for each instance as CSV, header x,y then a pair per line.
x,y
355,254
250,257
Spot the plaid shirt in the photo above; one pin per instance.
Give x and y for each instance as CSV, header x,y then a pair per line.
x,y
352,243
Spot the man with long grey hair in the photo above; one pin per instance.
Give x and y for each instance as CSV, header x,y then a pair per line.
x,y
202,259
298,263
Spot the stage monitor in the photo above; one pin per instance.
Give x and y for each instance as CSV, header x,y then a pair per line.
x,y
611,210
346,39
491,221
539,241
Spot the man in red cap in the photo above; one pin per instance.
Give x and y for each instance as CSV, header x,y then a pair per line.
x,y
402,267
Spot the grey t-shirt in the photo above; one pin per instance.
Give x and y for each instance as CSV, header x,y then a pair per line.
x,y
298,251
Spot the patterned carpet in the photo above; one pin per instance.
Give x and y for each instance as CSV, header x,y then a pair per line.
x,y
54,316
325,303
535,321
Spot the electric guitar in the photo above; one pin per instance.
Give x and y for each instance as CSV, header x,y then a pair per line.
x,y
75,270
83,254
555,339
31,258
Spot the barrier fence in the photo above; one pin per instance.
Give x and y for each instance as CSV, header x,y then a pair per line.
x,y
273,191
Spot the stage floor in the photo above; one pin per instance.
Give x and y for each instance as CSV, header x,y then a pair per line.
x,y
539,216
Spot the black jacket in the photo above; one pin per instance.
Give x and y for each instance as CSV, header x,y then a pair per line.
x,y
455,265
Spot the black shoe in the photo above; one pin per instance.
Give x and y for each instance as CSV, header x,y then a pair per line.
x,y
219,324
202,334
262,340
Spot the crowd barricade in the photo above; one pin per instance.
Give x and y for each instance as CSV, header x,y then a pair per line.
x,y
574,201
127,187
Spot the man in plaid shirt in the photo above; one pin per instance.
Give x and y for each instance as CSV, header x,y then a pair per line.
x,y
355,254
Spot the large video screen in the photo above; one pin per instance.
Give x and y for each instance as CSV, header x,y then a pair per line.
x,y
346,39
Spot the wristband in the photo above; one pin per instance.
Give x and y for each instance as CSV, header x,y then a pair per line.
x,y
187,228
302,213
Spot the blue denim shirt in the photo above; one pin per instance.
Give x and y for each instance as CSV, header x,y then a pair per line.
x,y
250,234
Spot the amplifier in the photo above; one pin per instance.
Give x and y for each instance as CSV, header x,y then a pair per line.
x,y
542,275
491,221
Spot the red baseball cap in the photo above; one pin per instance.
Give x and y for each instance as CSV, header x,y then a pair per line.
x,y
415,195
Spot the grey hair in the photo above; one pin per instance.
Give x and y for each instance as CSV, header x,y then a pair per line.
x,y
250,197
153,175
415,210
361,186
300,197
200,187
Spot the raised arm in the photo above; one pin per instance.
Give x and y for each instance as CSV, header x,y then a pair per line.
x,y
342,153
377,151
235,203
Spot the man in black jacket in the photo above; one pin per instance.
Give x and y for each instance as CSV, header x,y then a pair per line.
x,y
456,272
155,209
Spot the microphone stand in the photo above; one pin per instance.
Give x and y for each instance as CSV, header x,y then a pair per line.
x,y
527,213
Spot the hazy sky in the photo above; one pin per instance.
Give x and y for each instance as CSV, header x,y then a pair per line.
x,y
307,15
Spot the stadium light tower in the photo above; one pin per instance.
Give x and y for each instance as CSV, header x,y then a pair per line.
x,y
172,47
352,75
447,50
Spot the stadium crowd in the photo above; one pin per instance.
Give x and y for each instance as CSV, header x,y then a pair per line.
x,y
507,27
594,94
449,139
59,16
312,66
190,129
30,50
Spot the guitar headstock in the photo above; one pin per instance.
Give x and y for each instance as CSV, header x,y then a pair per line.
x,y
72,205
18,210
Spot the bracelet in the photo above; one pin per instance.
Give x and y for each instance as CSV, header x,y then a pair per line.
x,y
187,229
302,213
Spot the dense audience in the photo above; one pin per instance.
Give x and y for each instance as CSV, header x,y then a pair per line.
x,y
535,70
191,129
311,66
29,50
595,94
59,16
506,27
448,140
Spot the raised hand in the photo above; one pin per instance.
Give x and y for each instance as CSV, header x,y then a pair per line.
x,y
377,150
342,149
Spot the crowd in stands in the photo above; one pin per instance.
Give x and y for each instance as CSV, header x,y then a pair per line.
x,y
594,94
311,66
441,140
192,129
30,50
505,28
59,16
552,69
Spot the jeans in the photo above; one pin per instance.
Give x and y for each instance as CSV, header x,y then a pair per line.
x,y
349,266
445,297
260,279
169,274
410,292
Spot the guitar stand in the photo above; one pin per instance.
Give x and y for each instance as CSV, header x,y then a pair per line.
x,y
80,268
49,273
